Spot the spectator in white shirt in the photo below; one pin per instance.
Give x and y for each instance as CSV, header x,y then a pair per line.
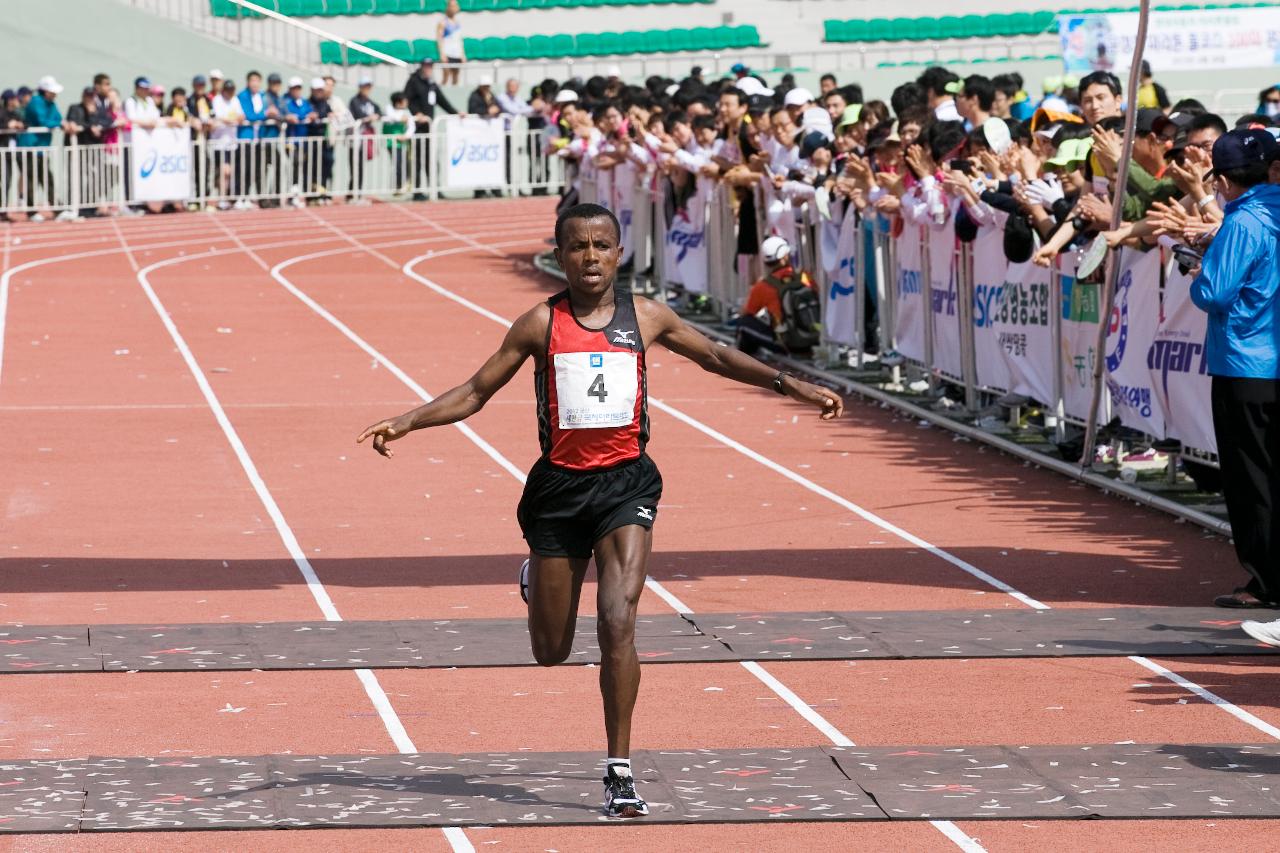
x,y
510,101
227,117
140,109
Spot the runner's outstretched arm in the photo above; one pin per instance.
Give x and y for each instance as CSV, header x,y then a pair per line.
x,y
522,340
681,338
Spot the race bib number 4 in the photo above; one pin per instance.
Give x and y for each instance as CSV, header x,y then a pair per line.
x,y
596,390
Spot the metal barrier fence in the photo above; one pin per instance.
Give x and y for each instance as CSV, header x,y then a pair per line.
x,y
65,177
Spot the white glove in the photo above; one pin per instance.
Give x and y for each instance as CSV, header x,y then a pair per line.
x,y
1045,191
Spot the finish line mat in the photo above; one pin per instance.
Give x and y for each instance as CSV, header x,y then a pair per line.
x,y
667,638
681,786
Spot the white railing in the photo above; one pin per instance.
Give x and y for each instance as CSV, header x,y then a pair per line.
x,y
284,169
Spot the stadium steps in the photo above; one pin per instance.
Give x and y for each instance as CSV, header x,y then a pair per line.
x,y
558,46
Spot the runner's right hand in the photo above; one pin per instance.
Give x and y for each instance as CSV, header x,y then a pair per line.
x,y
384,431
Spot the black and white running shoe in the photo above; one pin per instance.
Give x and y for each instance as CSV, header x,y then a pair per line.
x,y
524,581
620,799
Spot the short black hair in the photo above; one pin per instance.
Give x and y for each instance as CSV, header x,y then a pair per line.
x,y
852,93
828,76
905,97
1008,84
738,95
943,137
936,80
705,123
100,78
1205,121
980,87
251,75
585,211
1100,78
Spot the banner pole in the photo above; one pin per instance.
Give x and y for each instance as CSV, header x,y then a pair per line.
x,y
1113,264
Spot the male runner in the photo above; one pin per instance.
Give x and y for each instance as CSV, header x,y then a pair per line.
x,y
594,490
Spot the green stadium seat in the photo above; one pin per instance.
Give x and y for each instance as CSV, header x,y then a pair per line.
x,y
632,41
991,26
483,5
855,30
408,7
586,44
434,7
538,47
949,27
610,43
655,41
970,27
561,45
337,7
879,29
330,53
744,35
1045,21
474,49
425,49
493,46
400,49
679,39
361,7
618,2
514,47
928,29
292,8
533,4
834,31
1020,24
901,29
721,38
311,8
701,38
503,5
222,8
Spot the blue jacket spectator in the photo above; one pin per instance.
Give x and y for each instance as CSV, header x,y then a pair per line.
x,y
1237,288
253,104
275,99
299,108
41,111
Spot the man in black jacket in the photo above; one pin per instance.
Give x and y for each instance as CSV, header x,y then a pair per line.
x,y
84,129
424,96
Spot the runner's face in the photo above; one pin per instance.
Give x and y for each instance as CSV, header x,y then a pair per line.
x,y
590,254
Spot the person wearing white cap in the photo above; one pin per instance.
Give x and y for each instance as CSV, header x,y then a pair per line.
x,y
808,115
481,101
751,87
40,112
775,317
365,112
566,96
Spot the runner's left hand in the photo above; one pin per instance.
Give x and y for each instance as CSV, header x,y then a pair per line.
x,y
824,398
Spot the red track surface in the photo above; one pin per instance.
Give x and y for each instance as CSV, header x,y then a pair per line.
x,y
125,502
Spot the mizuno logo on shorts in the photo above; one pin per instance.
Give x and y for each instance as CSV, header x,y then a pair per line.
x,y
645,512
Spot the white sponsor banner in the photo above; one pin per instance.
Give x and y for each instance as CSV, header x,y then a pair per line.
x,y
1179,370
1176,40
1135,315
474,152
1023,334
686,246
989,269
841,311
908,307
161,164
1081,307
944,300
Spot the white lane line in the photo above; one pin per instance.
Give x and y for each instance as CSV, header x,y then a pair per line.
x,y
1209,696
377,696
807,712
458,840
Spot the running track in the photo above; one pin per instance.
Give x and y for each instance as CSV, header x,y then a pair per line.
x,y
178,402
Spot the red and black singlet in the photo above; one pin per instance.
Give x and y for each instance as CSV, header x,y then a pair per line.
x,y
593,408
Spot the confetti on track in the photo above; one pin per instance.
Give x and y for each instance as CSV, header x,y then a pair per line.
x,y
125,505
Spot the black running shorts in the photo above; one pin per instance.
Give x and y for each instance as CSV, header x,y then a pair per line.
x,y
564,513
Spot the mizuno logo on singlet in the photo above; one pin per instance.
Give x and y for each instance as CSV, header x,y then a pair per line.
x,y
623,337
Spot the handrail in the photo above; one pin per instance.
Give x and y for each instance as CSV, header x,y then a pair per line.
x,y
316,31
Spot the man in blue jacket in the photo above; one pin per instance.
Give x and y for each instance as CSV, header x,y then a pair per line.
x,y
255,107
1237,287
41,118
